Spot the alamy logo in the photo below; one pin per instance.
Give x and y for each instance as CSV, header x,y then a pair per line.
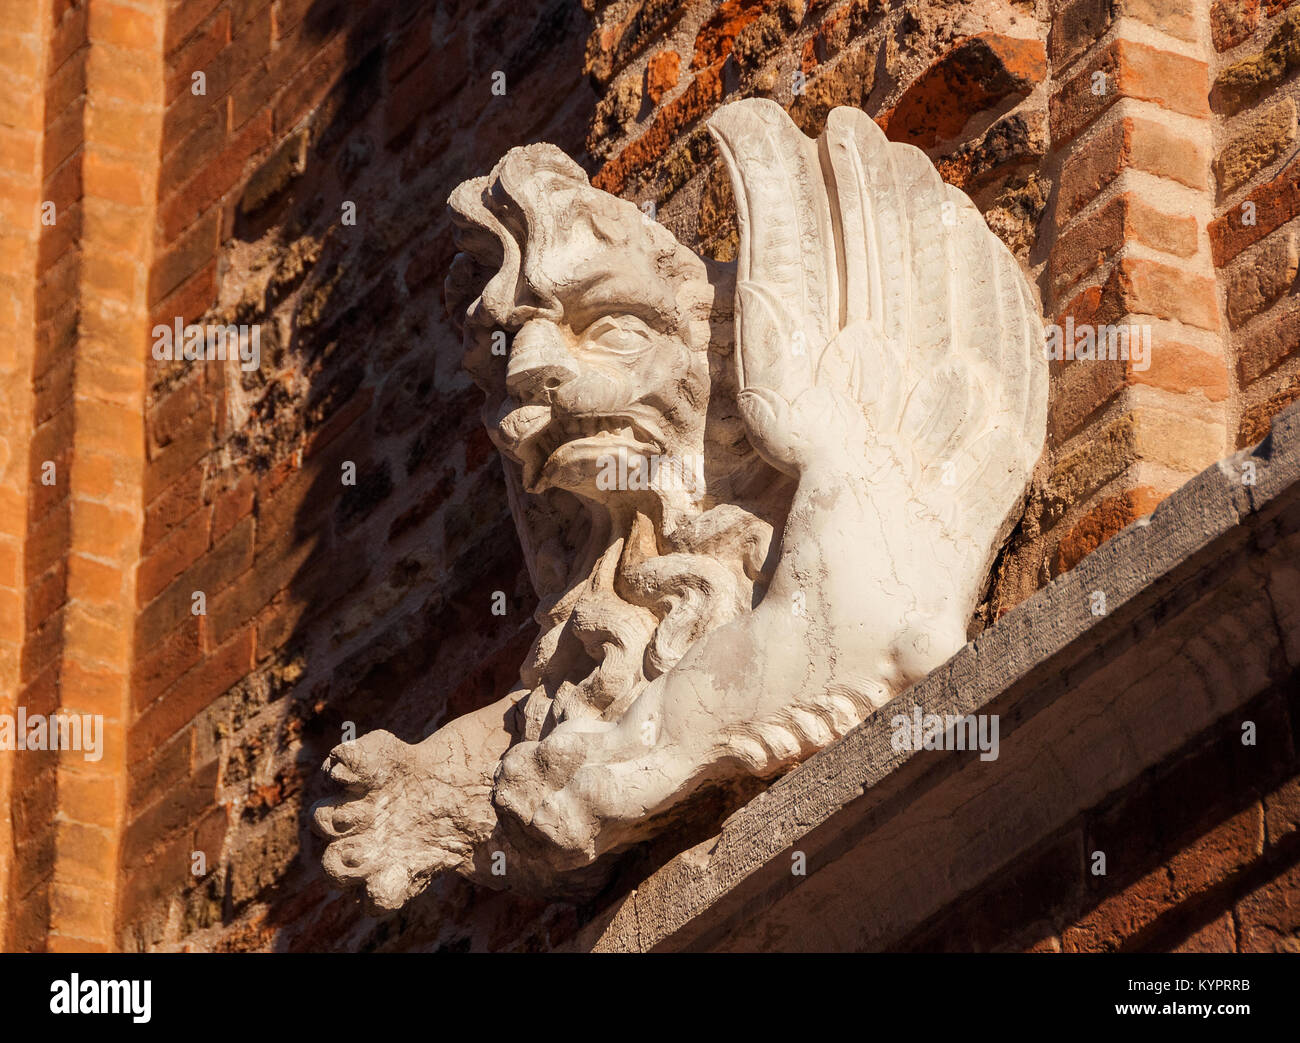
x,y
621,471
1087,343
94,996
59,731
179,342
932,731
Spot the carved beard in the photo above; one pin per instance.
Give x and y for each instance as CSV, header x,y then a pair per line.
x,y
639,608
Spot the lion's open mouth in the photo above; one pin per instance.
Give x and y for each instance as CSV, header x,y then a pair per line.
x,y
551,445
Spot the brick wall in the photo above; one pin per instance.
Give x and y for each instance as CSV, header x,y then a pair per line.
x,y
1253,235
284,164
1202,854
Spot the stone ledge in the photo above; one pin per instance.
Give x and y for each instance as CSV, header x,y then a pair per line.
x,y
1086,703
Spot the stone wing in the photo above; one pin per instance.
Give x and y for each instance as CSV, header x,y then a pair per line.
x,y
865,234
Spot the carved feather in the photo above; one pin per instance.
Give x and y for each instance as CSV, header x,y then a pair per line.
x,y
863,232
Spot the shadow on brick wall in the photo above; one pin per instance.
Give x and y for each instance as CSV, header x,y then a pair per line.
x,y
382,523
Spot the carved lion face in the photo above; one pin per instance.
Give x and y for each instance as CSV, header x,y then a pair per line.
x,y
608,394
607,376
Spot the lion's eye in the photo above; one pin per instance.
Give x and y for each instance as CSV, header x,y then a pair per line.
x,y
621,334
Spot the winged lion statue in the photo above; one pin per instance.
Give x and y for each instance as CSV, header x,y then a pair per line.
x,y
757,500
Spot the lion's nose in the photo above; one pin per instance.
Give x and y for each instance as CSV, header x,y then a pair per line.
x,y
539,363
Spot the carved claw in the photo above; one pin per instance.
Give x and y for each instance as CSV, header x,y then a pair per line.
x,y
390,833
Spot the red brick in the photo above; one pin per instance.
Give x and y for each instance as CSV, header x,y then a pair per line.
x,y
173,555
162,770
187,255
1266,347
978,74
192,694
1126,143
162,662
662,73
700,97
189,301
1137,286
1274,203
178,809
233,505
216,176
197,54
1131,70
1212,858
187,447
177,502
1102,522
716,36
205,138
184,19
224,565
1232,21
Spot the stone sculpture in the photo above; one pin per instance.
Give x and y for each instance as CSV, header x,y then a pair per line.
x,y
848,418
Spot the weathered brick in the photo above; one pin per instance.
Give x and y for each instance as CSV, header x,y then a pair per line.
x,y
1087,245
1268,137
192,693
1082,22
1265,208
215,177
1232,21
1259,278
194,249
624,30
160,663
979,73
1103,522
700,96
1128,143
1268,919
223,565
1245,80
1128,70
662,73
1268,346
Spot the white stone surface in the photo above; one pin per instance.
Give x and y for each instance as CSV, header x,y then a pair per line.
x,y
867,385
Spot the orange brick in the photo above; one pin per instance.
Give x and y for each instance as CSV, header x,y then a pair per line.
x,y
115,179
93,581
173,555
1101,523
161,663
1267,347
106,532
123,26
107,427
1128,70
193,693
1269,206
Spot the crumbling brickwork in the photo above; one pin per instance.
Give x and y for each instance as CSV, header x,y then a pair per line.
x,y
238,566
